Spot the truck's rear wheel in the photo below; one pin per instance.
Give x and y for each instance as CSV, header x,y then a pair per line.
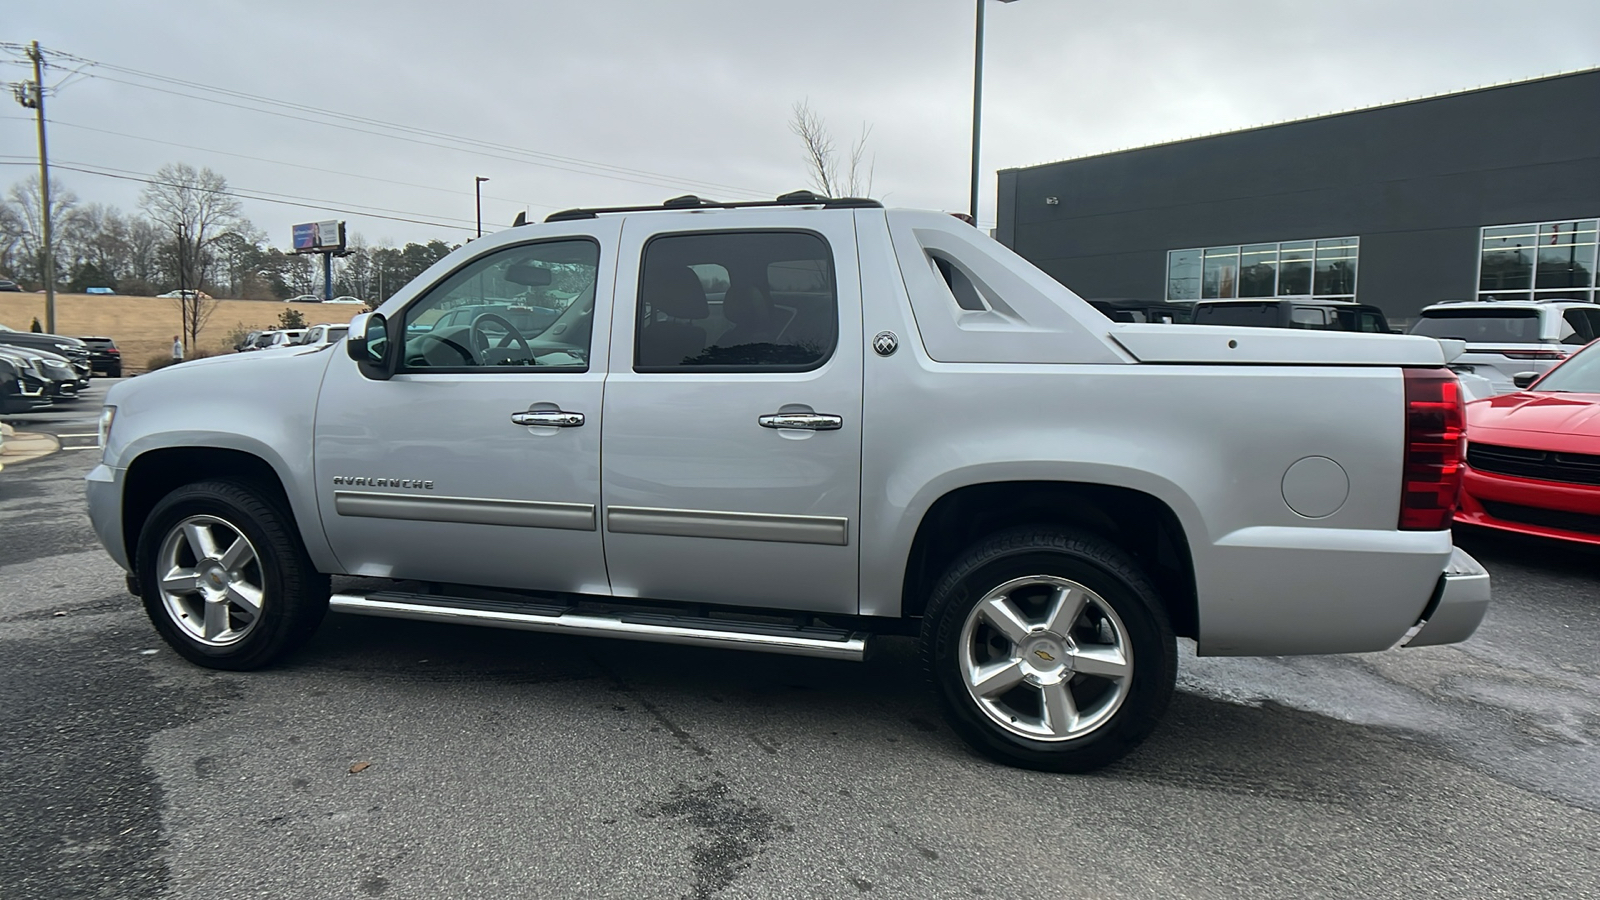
x,y
1049,650
224,577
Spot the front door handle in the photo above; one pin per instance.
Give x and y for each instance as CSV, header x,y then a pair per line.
x,y
548,417
806,421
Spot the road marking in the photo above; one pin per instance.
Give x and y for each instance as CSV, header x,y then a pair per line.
x,y
96,435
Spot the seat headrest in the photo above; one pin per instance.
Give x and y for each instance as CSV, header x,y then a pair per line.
x,y
676,291
746,304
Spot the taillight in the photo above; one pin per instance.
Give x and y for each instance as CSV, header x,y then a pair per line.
x,y
1534,354
113,350
1435,428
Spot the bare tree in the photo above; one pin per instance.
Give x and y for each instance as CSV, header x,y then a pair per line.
x,y
822,159
29,237
196,205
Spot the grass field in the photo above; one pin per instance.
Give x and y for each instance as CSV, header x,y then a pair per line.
x,y
143,326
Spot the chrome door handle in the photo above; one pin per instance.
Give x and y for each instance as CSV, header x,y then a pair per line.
x,y
806,421
555,417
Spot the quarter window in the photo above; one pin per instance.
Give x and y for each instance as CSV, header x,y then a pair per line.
x,y
736,302
1323,269
523,307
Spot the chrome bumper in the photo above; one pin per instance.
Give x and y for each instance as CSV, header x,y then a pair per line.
x,y
1458,605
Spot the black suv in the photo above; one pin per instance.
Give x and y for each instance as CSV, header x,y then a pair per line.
x,y
104,357
73,349
1318,315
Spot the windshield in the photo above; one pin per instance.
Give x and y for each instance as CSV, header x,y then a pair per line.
x,y
1578,375
1476,326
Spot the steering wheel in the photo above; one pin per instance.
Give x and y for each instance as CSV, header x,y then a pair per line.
x,y
467,356
481,338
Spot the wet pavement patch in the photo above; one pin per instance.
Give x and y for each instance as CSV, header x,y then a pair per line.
x,y
80,813
731,832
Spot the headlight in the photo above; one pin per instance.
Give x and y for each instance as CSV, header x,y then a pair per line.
x,y
107,415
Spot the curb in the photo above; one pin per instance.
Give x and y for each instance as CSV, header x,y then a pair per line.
x,y
22,446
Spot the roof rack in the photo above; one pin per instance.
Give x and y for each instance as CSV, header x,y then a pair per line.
x,y
690,201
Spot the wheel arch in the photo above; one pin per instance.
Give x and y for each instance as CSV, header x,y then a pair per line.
x,y
1140,523
156,472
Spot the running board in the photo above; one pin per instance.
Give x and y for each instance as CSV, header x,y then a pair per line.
x,y
698,631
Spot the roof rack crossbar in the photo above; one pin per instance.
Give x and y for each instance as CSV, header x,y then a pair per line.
x,y
689,201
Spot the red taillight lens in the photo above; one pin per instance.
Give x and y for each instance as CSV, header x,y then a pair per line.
x,y
1435,426
1534,354
113,350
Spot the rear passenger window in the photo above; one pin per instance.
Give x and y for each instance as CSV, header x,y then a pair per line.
x,y
1308,317
736,302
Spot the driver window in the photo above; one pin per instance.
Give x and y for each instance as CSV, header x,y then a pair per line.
x,y
528,306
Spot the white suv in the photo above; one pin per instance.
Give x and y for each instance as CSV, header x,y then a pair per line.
x,y
1508,337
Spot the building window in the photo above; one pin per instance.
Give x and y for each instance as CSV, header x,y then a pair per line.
x,y
1544,260
1324,268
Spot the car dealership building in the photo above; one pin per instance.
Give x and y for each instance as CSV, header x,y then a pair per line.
x,y
1492,192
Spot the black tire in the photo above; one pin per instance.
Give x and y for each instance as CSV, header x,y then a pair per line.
x,y
1123,708
114,372
292,594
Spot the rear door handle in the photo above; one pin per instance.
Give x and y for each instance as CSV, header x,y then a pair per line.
x,y
805,421
548,417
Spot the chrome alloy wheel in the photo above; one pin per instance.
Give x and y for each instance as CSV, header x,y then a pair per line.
x,y
210,580
1046,658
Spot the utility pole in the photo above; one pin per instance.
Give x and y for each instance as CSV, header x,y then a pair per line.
x,y
31,96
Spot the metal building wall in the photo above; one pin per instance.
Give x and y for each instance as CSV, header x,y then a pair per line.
x,y
1415,181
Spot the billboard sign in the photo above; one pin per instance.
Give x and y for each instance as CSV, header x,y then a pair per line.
x,y
317,236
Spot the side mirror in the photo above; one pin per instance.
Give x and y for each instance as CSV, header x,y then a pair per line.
x,y
369,345
1524,380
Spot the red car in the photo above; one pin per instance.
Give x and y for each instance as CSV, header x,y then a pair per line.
x,y
1533,456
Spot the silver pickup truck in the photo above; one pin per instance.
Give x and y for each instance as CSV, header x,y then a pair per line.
x,y
795,426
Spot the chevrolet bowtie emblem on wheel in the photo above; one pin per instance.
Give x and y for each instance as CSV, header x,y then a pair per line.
x,y
1044,656
885,343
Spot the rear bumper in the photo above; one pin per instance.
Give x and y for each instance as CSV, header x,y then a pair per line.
x,y
1458,606
1562,511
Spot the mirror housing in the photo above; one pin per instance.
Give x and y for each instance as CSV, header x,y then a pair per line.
x,y
1524,380
369,344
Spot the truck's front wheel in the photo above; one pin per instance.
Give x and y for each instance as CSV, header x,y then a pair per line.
x,y
1049,650
224,577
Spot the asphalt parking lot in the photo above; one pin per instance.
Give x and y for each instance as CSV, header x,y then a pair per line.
x,y
401,759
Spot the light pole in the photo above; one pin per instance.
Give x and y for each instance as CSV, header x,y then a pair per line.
x,y
477,190
977,108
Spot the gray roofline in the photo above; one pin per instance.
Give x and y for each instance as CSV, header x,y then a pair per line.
x,y
1499,85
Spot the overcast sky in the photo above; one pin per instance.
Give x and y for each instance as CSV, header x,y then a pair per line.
x,y
698,93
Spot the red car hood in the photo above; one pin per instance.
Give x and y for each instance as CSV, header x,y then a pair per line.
x,y
1567,422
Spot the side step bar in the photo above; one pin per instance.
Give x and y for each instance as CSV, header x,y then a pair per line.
x,y
698,631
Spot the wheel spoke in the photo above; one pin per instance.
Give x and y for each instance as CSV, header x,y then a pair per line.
x,y
1104,660
996,678
1060,710
200,542
246,597
216,619
1004,617
1066,605
181,581
237,555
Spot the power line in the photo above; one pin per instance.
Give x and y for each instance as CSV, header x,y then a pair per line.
x,y
548,160
279,162
303,203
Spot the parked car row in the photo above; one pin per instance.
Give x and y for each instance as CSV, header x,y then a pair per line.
x,y
291,338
